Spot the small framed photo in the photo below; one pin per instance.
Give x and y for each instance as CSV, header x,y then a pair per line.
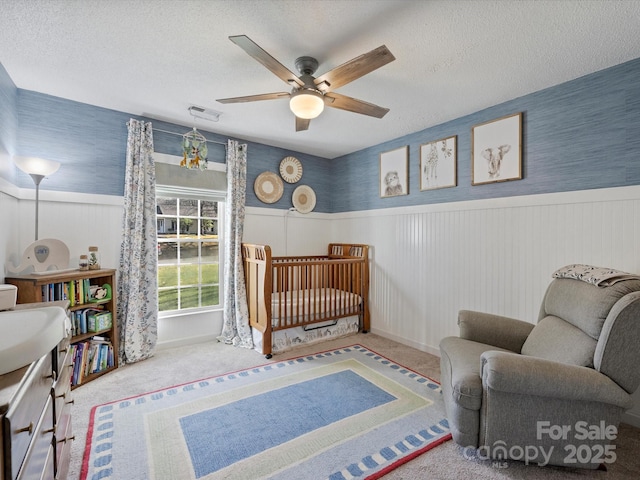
x,y
394,172
438,161
496,150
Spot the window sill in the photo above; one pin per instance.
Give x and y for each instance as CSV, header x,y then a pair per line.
x,y
191,311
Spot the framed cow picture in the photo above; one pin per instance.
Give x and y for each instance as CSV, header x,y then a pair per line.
x,y
496,150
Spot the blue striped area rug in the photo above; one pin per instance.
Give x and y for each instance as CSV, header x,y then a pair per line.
x,y
337,415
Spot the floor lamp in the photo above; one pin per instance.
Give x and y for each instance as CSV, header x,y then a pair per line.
x,y
37,168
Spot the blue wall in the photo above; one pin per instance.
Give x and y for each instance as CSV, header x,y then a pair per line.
x,y
90,142
582,134
579,135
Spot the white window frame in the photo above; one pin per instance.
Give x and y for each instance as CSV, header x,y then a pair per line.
x,y
209,195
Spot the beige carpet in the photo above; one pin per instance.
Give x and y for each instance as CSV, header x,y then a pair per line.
x,y
446,462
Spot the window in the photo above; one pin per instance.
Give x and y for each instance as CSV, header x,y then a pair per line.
x,y
188,251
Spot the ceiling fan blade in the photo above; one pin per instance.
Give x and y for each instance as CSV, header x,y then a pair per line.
x,y
302,124
354,69
354,105
267,60
254,98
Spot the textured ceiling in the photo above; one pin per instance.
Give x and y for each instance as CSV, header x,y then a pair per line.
x,y
158,57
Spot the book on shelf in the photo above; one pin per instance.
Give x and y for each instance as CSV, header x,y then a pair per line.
x,y
80,319
89,357
76,291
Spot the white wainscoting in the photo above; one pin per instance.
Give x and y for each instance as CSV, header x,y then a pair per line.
x,y
79,220
427,262
496,256
9,240
288,232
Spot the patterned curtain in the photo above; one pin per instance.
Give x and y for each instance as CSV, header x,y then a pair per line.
x,y
138,284
235,329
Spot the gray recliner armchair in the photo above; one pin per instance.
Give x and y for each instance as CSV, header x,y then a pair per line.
x,y
551,393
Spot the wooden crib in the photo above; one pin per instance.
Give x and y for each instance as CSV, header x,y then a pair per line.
x,y
304,291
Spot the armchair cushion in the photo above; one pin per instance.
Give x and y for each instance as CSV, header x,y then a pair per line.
x,y
582,304
554,339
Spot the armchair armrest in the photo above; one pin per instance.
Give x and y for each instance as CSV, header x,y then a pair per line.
x,y
525,375
503,332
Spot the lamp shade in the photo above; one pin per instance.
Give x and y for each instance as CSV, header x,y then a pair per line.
x,y
36,166
306,104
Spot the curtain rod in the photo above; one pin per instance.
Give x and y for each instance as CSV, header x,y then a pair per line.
x,y
181,134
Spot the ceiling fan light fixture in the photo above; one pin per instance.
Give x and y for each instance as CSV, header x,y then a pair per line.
x,y
306,103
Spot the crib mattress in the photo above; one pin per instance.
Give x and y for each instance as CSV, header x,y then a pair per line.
x,y
312,303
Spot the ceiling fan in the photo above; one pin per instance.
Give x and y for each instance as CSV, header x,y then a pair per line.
x,y
310,94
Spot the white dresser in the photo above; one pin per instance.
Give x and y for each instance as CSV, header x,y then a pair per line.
x,y
35,413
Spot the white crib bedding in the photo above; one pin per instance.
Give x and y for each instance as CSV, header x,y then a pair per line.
x,y
317,302
283,340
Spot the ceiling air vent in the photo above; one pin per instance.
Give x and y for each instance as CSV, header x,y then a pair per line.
x,y
204,113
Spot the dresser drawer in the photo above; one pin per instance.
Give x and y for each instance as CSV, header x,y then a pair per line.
x,y
23,417
62,386
63,438
64,348
39,460
63,441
